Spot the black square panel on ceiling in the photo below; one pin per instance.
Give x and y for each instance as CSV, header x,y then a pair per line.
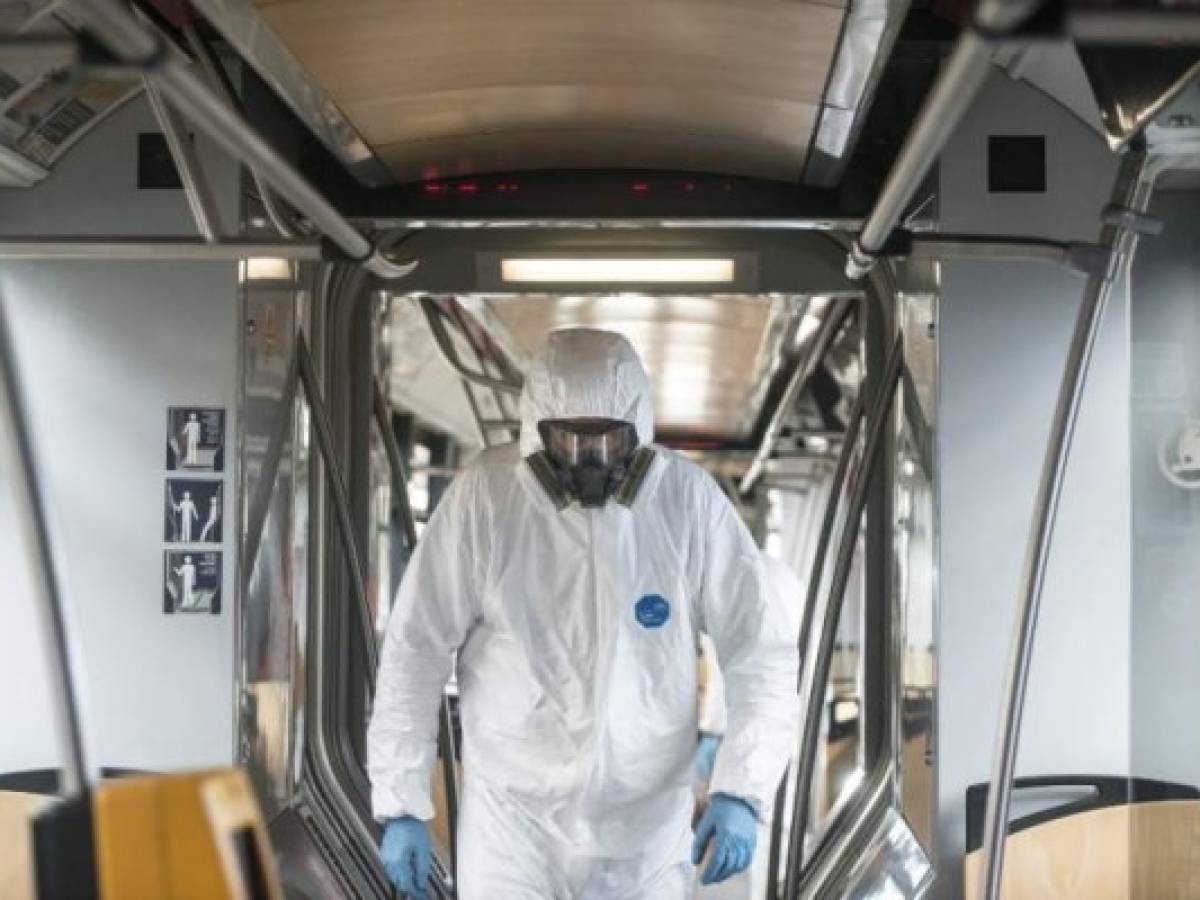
x,y
155,165
1016,164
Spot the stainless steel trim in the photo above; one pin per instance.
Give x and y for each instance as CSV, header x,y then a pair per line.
x,y
880,413
957,84
892,864
242,24
448,750
835,315
1077,256
183,152
186,89
1131,191
260,504
151,249
48,581
830,871
825,535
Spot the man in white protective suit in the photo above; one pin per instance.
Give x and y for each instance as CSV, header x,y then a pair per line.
x,y
571,579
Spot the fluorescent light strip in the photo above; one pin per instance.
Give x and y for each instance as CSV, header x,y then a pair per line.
x,y
617,271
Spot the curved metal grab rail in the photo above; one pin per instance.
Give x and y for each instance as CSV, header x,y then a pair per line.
x,y
79,769
828,520
1131,194
436,316
341,506
170,71
876,422
805,368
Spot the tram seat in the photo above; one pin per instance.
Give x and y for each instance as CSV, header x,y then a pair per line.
x,y
17,810
1130,839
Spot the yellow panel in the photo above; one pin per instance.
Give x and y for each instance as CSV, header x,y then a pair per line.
x,y
169,837
130,854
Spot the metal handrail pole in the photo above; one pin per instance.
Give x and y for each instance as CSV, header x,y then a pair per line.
x,y
481,358
211,66
183,152
801,374
449,751
42,542
264,487
948,100
209,113
775,847
446,350
828,520
1131,192
875,428
397,466
323,430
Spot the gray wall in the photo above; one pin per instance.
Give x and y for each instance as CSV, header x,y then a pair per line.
x,y
1003,336
104,348
1166,519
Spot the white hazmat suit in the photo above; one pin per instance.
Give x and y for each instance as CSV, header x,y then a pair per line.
x,y
575,634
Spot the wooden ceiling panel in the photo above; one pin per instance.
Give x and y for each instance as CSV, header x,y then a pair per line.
x,y
468,86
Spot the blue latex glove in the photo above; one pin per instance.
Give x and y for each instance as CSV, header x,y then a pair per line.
x,y
732,827
706,755
407,855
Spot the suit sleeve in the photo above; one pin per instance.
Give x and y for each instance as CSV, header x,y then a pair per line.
x,y
756,648
435,607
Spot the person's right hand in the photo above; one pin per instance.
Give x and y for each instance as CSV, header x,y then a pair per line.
x,y
407,855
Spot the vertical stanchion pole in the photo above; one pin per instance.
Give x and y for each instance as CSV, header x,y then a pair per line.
x,y
48,583
1130,195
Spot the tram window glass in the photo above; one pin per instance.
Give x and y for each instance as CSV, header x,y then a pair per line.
x,y
274,611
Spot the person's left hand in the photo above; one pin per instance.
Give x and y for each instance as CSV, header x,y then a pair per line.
x,y
731,826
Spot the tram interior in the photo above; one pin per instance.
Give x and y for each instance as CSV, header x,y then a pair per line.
x,y
916,282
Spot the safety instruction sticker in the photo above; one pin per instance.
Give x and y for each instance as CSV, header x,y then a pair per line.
x,y
192,581
195,439
192,511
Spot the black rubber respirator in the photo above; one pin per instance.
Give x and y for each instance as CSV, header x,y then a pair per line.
x,y
589,457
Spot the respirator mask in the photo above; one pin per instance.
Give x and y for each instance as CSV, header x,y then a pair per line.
x,y
588,459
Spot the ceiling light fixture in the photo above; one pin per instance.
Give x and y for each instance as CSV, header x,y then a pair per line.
x,y
617,271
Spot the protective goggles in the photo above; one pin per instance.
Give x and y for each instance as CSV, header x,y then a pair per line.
x,y
589,461
575,442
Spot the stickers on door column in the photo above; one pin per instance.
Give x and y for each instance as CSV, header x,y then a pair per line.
x,y
195,439
191,581
192,511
